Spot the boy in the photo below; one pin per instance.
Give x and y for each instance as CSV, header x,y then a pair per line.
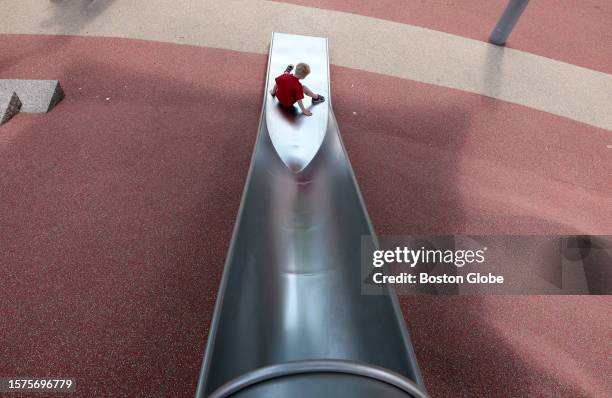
x,y
288,89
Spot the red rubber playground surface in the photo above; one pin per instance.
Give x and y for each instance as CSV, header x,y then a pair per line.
x,y
117,210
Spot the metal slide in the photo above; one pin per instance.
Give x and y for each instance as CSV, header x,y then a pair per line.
x,y
290,318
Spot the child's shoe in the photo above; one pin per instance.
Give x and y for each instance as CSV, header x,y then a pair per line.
x,y
289,68
318,100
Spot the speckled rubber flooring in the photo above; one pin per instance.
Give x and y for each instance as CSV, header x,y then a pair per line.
x,y
117,210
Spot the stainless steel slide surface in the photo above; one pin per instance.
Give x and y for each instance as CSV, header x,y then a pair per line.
x,y
290,319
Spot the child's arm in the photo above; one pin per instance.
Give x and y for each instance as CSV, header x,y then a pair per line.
x,y
273,91
304,110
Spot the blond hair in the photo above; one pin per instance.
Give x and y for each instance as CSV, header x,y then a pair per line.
x,y
302,69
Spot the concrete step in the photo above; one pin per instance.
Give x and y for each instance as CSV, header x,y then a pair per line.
x,y
33,95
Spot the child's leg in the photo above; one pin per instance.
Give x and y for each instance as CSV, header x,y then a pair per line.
x,y
316,98
310,93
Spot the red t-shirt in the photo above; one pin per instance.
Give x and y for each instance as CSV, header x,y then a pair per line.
x,y
288,89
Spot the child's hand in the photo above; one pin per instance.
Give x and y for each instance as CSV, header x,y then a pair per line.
x,y
303,108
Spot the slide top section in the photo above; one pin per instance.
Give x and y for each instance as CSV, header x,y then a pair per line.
x,y
295,136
